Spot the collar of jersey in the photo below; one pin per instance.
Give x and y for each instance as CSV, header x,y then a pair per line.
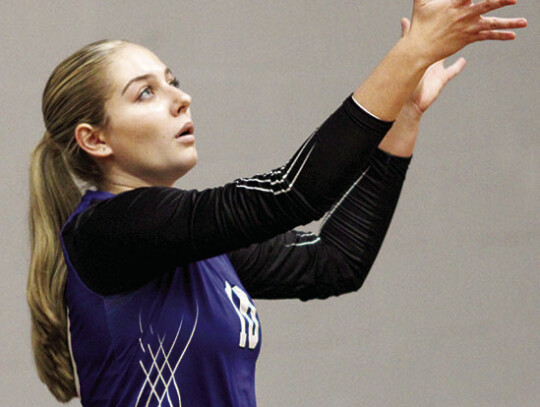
x,y
92,195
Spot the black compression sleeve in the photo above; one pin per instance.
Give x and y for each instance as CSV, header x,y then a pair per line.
x,y
304,265
123,242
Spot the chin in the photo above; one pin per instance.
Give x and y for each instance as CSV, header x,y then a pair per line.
x,y
192,161
186,166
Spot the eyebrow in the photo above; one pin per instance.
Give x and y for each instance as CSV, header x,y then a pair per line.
x,y
143,77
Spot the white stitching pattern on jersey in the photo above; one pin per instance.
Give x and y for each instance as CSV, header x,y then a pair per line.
x,y
160,370
281,185
333,209
72,357
314,239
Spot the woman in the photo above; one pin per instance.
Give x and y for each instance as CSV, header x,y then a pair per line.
x,y
141,293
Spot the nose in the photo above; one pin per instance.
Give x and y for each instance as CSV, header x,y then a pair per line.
x,y
180,103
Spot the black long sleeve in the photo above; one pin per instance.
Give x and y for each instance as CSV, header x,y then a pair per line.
x,y
123,242
305,265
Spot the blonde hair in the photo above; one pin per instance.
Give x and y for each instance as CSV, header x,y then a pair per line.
x,y
75,93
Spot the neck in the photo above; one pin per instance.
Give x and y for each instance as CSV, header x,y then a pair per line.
x,y
122,183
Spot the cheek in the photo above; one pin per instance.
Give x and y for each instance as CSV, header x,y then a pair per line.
x,y
136,132
139,131
148,127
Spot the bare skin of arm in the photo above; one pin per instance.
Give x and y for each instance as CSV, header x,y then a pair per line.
x,y
401,138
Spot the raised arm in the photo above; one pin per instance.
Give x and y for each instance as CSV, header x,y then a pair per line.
x,y
305,265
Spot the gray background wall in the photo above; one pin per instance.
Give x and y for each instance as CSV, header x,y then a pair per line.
x,y
449,315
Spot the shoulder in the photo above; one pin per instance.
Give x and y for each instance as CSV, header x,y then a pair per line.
x,y
138,208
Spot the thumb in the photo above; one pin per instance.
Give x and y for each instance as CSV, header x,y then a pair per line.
x,y
455,68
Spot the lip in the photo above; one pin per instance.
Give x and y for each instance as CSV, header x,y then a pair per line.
x,y
187,130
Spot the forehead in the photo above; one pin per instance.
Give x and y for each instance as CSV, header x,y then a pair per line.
x,y
131,61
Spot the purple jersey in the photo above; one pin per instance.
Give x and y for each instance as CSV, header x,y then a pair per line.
x,y
189,337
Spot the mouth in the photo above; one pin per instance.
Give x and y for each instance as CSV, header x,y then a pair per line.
x,y
186,130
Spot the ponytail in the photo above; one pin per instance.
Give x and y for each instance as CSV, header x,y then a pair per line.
x,y
53,196
75,93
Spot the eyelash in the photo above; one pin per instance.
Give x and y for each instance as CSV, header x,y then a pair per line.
x,y
175,82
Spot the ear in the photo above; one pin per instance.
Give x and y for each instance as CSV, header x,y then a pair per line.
x,y
92,140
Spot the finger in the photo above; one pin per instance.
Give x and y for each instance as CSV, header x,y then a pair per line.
x,y
486,6
497,23
405,26
455,69
495,35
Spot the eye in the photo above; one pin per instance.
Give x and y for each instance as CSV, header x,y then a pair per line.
x,y
146,93
175,82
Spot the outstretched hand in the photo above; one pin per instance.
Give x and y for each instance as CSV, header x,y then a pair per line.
x,y
434,80
440,28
